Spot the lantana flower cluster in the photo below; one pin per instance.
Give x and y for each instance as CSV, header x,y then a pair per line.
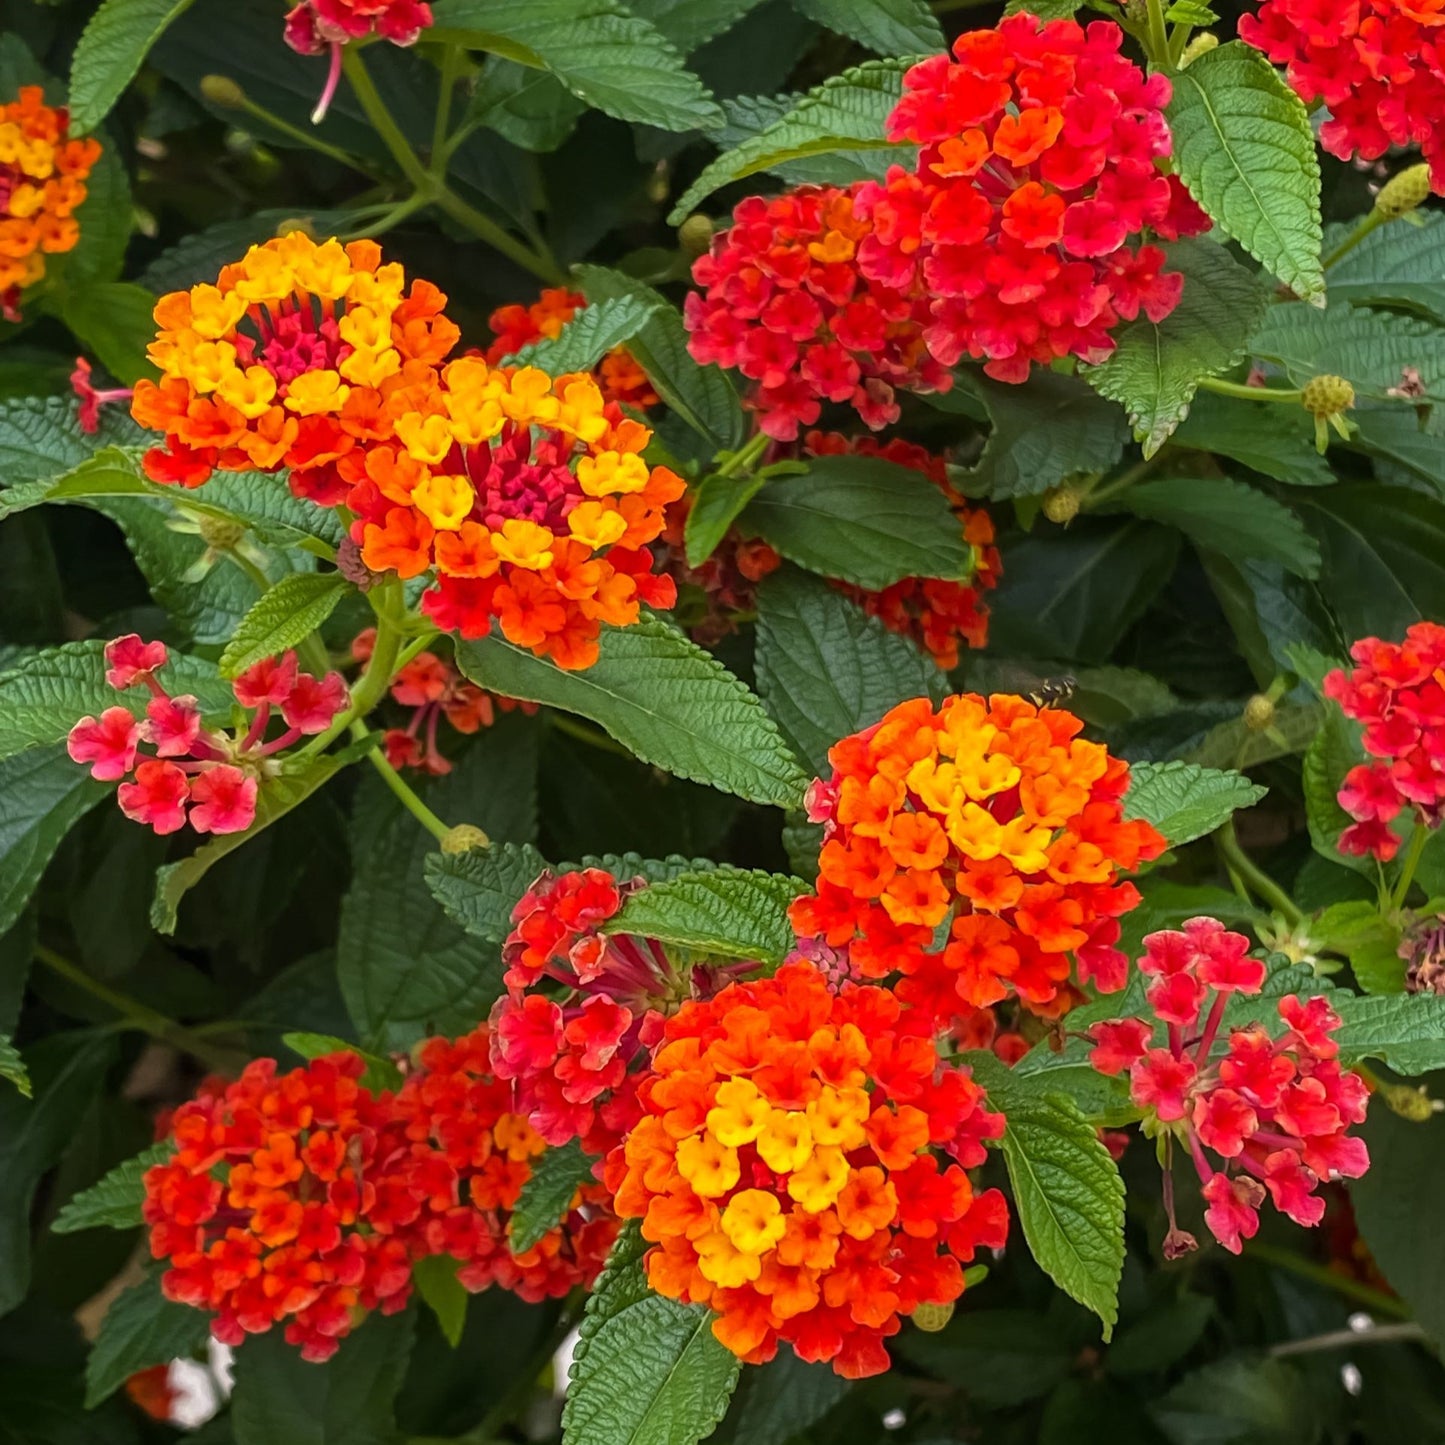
x,y
307,1198
1398,693
314,25
583,1007
618,375
526,499
1042,150
197,774
784,301
1379,65
787,1168
42,182
937,614
989,818
433,690
1276,1111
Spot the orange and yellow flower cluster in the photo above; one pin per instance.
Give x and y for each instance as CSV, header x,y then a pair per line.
x,y
526,498
42,181
993,819
622,380
785,1168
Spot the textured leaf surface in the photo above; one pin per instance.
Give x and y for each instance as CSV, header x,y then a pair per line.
x,y
444,1294
1228,517
1156,367
140,1329
479,889
40,437
662,697
113,319
863,520
778,1401
716,503
845,112
690,23
1400,264
1406,1031
603,54
1243,146
110,50
1184,801
826,669
887,27
282,618
735,912
1272,440
647,1370
557,1174
113,1202
589,335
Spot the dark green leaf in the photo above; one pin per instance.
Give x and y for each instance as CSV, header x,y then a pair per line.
x,y
557,1175
589,335
380,1073
444,1294
1005,1356
12,1066
1398,265
716,503
282,618
1406,1031
1274,440
478,889
111,49
1184,801
113,319
140,1329
887,27
778,1401
114,1202
733,912
1250,1401
105,217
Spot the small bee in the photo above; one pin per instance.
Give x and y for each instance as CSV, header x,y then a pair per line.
x,y
1053,690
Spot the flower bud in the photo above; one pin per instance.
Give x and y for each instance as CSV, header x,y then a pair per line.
x,y
222,90
220,534
1061,504
1200,45
1409,1103
463,838
694,236
1402,193
932,1318
1258,713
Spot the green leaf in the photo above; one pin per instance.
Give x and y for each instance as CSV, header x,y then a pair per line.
x,y
12,1066
1166,1333
530,108
690,23
114,1202
1007,1356
66,1071
1228,517
1156,367
40,437
557,1175
380,1073
1331,754
662,697
110,50
1055,427
863,520
1069,1197
826,669
113,319
1184,801
778,1401
887,27
283,618
140,1329
437,1283
845,113
1239,1400
1244,147
647,1370
1400,264
105,217
701,395
274,799
45,794
589,335
281,1399
1405,445
1276,441
716,502
1406,1031
478,889
603,54
1372,350
45,695
733,912
1370,942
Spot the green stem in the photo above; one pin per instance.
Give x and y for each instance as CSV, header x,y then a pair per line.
x,y
371,687
1407,868
1254,876
745,457
1405,1331
451,63
1249,393
302,137
1121,483
1156,41
1367,224
382,121
136,1015
1374,1300
387,219
402,789
486,229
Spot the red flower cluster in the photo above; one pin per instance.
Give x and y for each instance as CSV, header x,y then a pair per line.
x,y
471,1153
276,1205
198,775
433,689
570,1059
1276,1111
785,1168
784,301
618,375
994,818
937,614
1379,65
1398,693
1041,148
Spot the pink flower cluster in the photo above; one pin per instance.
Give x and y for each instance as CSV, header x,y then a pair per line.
x,y
197,775
1277,1112
313,25
1398,694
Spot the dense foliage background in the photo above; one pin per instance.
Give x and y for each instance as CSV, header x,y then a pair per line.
x,y
1195,583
